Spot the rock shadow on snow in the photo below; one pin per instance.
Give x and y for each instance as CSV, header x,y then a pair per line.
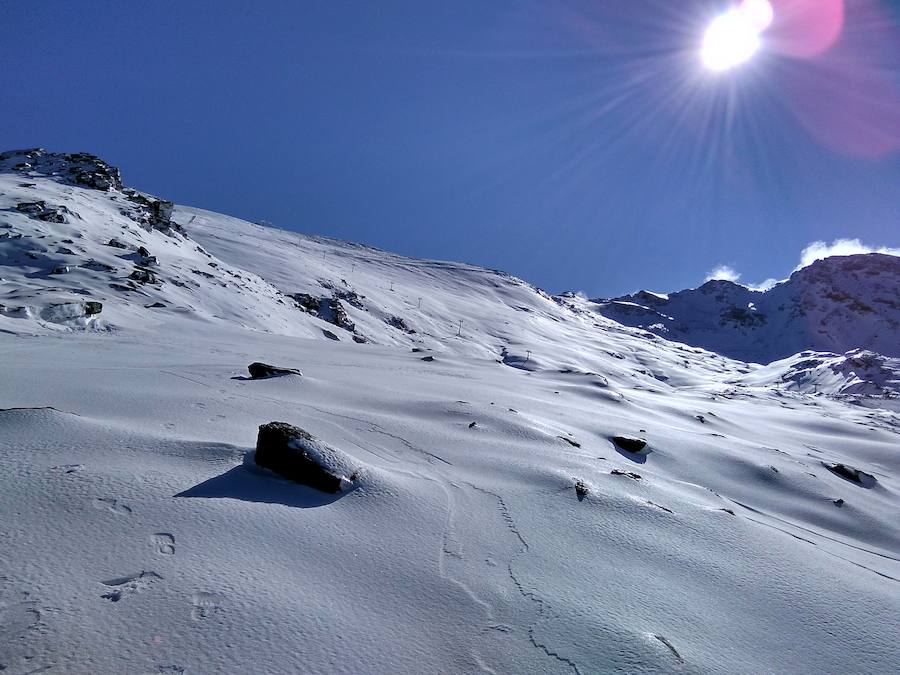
x,y
250,483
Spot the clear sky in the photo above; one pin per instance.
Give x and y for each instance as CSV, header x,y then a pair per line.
x,y
579,144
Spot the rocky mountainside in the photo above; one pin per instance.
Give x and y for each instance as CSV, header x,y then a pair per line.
x,y
836,305
226,447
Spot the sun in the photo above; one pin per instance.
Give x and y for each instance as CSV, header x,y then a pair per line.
x,y
735,36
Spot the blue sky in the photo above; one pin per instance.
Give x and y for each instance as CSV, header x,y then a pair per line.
x,y
577,144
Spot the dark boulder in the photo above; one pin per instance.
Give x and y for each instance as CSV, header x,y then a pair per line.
x,y
115,243
296,455
852,474
398,323
41,211
306,302
428,359
632,445
143,276
260,371
92,307
330,335
627,474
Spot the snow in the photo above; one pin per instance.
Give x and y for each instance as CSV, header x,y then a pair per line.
x,y
139,538
834,305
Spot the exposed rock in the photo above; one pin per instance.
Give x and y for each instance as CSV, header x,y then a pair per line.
x,y
78,168
399,324
472,425
359,339
428,359
92,307
340,318
327,309
97,266
570,441
259,371
632,445
627,474
152,212
306,302
330,335
142,276
581,490
115,243
155,305
296,455
852,474
60,269
838,502
47,214
352,297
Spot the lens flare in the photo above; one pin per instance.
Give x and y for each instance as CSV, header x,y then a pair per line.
x,y
734,37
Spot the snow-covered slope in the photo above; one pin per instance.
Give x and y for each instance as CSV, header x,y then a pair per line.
x,y
837,304
138,537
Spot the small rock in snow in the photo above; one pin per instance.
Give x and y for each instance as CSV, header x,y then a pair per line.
x,y
259,371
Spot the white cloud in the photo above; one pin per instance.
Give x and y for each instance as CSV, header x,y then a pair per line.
x,y
817,250
723,273
765,285
820,249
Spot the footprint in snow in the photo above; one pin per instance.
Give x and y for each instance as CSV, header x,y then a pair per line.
x,y
111,505
129,585
165,543
205,604
67,468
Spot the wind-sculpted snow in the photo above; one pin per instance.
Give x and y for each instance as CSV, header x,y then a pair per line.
x,y
730,517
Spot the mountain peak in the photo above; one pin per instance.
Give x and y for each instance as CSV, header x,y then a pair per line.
x,y
835,304
77,168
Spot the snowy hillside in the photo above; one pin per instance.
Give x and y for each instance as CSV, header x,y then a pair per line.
x,y
834,305
744,519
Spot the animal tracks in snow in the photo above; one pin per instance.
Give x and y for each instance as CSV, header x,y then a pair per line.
x,y
482,566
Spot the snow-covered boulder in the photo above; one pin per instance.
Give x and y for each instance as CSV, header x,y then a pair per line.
x,y
296,455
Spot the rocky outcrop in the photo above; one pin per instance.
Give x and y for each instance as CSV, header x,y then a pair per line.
x,y
77,168
41,211
327,309
151,212
296,455
142,276
398,323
